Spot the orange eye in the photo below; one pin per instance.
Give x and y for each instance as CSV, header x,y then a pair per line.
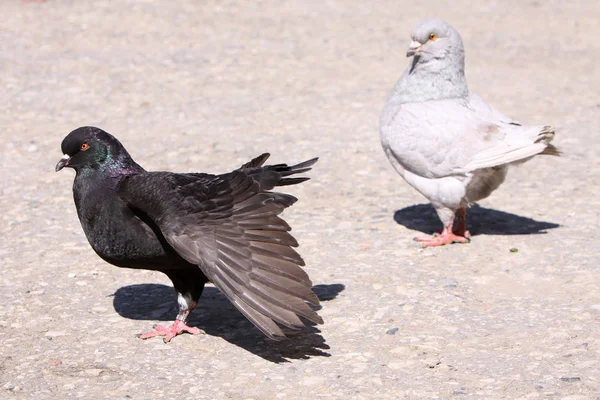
x,y
84,146
433,36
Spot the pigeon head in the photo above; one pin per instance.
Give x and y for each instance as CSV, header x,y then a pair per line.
x,y
436,43
92,148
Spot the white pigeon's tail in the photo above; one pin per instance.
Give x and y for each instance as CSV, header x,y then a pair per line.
x,y
545,136
515,149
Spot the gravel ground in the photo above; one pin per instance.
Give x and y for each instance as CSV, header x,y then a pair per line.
x,y
206,85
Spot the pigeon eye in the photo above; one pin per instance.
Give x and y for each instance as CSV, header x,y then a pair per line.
x,y
84,146
433,36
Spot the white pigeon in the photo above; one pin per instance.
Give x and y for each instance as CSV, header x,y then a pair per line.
x,y
445,141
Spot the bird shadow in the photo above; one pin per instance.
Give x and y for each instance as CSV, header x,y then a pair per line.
x,y
216,316
480,221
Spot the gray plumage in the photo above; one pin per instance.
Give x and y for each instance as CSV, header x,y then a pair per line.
x,y
443,140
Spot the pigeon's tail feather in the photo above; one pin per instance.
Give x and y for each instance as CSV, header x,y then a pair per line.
x,y
271,176
286,170
519,151
551,150
305,165
545,136
292,181
257,161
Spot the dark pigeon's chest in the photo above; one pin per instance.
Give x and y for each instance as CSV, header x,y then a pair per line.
x,y
114,231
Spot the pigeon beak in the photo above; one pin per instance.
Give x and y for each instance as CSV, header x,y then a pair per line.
x,y
64,162
413,48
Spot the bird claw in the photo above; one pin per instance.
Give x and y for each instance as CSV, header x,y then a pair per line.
x,y
169,332
444,238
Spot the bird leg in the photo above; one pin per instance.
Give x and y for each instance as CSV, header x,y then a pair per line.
x,y
179,326
461,218
447,236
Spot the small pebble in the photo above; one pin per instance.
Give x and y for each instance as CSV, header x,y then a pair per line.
x,y
55,333
570,379
93,371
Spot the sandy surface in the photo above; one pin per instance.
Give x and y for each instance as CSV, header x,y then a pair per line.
x,y
206,85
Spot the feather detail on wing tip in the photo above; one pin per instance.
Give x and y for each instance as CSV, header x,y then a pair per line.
x,y
281,267
263,323
257,308
305,164
551,150
263,205
271,236
545,136
276,283
270,176
270,223
283,306
276,251
257,161
292,181
272,310
296,171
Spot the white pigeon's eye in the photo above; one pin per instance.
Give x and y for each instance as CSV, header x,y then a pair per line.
x,y
433,36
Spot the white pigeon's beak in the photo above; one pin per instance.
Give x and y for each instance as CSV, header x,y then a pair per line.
x,y
64,161
413,48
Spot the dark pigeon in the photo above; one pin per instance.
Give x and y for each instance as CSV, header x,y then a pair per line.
x,y
196,228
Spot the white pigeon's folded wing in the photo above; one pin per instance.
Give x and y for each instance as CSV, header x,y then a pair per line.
x,y
436,139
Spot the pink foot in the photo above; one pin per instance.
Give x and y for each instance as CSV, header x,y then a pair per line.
x,y
169,332
446,237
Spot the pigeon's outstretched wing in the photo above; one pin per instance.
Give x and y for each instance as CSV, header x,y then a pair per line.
x,y
229,226
441,138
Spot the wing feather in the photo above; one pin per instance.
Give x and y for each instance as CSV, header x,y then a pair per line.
x,y
229,225
436,139
270,223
